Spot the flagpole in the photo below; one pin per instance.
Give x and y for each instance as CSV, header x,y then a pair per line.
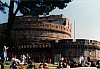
x,y
74,31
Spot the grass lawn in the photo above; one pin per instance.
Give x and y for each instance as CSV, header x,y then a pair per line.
x,y
7,65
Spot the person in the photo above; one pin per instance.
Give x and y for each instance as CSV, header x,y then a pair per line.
x,y
98,65
21,66
41,66
93,64
79,64
45,66
49,60
4,54
14,62
60,65
1,66
31,67
23,57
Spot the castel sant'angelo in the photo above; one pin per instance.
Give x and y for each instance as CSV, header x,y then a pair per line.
x,y
40,34
44,37
53,27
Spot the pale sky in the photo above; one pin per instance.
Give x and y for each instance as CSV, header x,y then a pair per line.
x,y
85,13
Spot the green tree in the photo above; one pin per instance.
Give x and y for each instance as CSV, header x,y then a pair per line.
x,y
28,7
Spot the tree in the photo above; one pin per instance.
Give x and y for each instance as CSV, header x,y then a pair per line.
x,y
28,7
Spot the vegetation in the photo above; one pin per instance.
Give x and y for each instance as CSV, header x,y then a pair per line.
x,y
7,65
28,7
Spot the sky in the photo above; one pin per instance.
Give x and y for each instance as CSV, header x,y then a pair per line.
x,y
85,14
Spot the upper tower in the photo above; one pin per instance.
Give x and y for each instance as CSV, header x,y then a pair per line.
x,y
53,27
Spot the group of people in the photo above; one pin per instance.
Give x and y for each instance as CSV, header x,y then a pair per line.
x,y
23,60
30,66
63,64
43,66
74,64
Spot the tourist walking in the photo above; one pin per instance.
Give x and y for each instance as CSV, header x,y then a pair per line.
x,y
4,54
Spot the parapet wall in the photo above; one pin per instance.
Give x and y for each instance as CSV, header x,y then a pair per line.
x,y
53,27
